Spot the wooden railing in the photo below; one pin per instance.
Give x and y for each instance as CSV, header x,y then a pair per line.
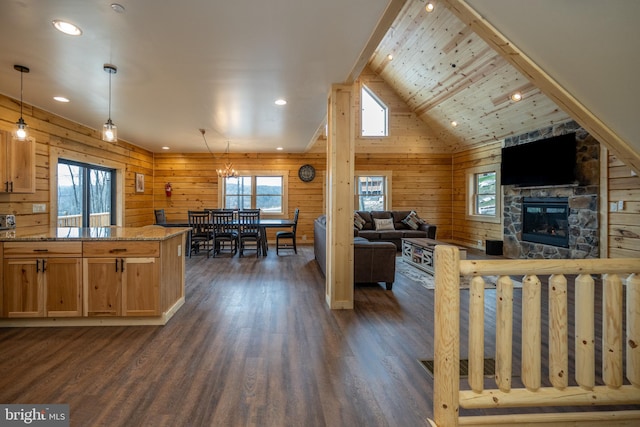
x,y
102,219
448,397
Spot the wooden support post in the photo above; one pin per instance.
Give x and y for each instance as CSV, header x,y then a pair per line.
x,y
531,326
612,330
446,378
558,332
476,334
633,329
504,332
585,332
340,157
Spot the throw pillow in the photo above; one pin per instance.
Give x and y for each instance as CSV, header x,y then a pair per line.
x,y
413,221
384,224
358,221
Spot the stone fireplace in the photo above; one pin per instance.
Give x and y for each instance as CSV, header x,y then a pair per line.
x,y
555,221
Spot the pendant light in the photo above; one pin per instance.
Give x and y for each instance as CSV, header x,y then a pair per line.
x,y
109,130
21,127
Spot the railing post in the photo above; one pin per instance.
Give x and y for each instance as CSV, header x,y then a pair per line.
x,y
633,329
446,376
612,331
504,332
584,331
531,334
558,332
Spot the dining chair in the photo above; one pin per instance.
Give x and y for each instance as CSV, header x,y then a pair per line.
x,y
160,216
289,235
201,232
249,230
224,231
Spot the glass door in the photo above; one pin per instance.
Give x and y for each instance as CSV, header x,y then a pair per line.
x,y
86,195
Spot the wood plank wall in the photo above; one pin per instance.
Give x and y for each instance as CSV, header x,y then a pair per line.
x,y
195,183
624,225
51,131
469,232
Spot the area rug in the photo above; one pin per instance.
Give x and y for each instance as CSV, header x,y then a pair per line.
x,y
427,281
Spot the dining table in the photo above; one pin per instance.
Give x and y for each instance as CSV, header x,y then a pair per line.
x,y
264,224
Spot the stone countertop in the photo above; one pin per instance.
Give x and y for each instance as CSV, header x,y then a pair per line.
x,y
151,232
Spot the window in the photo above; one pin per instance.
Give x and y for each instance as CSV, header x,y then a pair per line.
x,y
86,195
264,191
373,192
483,198
374,116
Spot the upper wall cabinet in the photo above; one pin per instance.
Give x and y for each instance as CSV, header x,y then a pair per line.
x,y
17,164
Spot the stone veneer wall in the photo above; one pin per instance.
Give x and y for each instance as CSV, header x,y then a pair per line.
x,y
583,201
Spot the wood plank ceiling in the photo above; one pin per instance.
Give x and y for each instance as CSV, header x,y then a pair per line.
x,y
446,73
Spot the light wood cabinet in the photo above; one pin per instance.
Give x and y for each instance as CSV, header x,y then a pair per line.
x,y
42,279
125,285
17,164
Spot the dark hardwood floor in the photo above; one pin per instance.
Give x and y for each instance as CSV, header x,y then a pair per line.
x,y
255,344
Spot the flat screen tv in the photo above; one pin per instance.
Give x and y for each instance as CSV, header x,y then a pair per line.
x,y
550,161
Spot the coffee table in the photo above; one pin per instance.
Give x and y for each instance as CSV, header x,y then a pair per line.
x,y
419,252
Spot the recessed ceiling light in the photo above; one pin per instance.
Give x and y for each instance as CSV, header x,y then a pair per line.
x,y
279,148
390,57
61,99
429,7
165,148
516,96
454,123
67,27
281,101
117,7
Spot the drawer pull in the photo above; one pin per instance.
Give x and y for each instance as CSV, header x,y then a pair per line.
x,y
117,250
41,250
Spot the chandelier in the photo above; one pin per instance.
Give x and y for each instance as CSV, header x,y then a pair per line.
x,y
228,171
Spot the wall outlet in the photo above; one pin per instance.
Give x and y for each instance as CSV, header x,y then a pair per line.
x,y
620,205
613,207
304,237
480,243
39,207
179,250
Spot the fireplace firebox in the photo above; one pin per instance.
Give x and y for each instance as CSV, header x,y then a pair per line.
x,y
546,220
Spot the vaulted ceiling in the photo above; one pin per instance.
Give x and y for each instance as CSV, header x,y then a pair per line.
x,y
220,65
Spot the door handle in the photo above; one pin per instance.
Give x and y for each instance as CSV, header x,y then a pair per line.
x,y
44,265
122,265
37,266
116,265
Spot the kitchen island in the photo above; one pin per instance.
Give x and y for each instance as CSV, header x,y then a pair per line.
x,y
95,276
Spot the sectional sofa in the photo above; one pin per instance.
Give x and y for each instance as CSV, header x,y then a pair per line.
x,y
373,262
402,222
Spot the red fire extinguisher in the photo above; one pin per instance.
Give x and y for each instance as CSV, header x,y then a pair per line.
x,y
167,189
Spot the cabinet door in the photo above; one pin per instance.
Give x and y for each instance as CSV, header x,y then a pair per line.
x,y
103,286
17,164
23,288
63,283
141,287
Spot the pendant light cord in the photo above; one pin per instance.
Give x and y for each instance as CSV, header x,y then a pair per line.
x,y
21,76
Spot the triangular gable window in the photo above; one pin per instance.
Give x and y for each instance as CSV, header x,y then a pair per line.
x,y
374,114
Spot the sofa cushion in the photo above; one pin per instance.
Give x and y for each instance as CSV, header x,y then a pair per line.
x,y
368,221
384,224
392,234
413,221
358,221
369,234
413,234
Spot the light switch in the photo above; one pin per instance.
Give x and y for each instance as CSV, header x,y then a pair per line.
x,y
620,205
613,207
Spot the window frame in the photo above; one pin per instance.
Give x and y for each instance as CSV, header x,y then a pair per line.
x,y
119,169
472,194
387,187
364,88
254,174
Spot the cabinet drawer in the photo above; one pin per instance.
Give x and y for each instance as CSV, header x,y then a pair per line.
x,y
42,249
121,249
